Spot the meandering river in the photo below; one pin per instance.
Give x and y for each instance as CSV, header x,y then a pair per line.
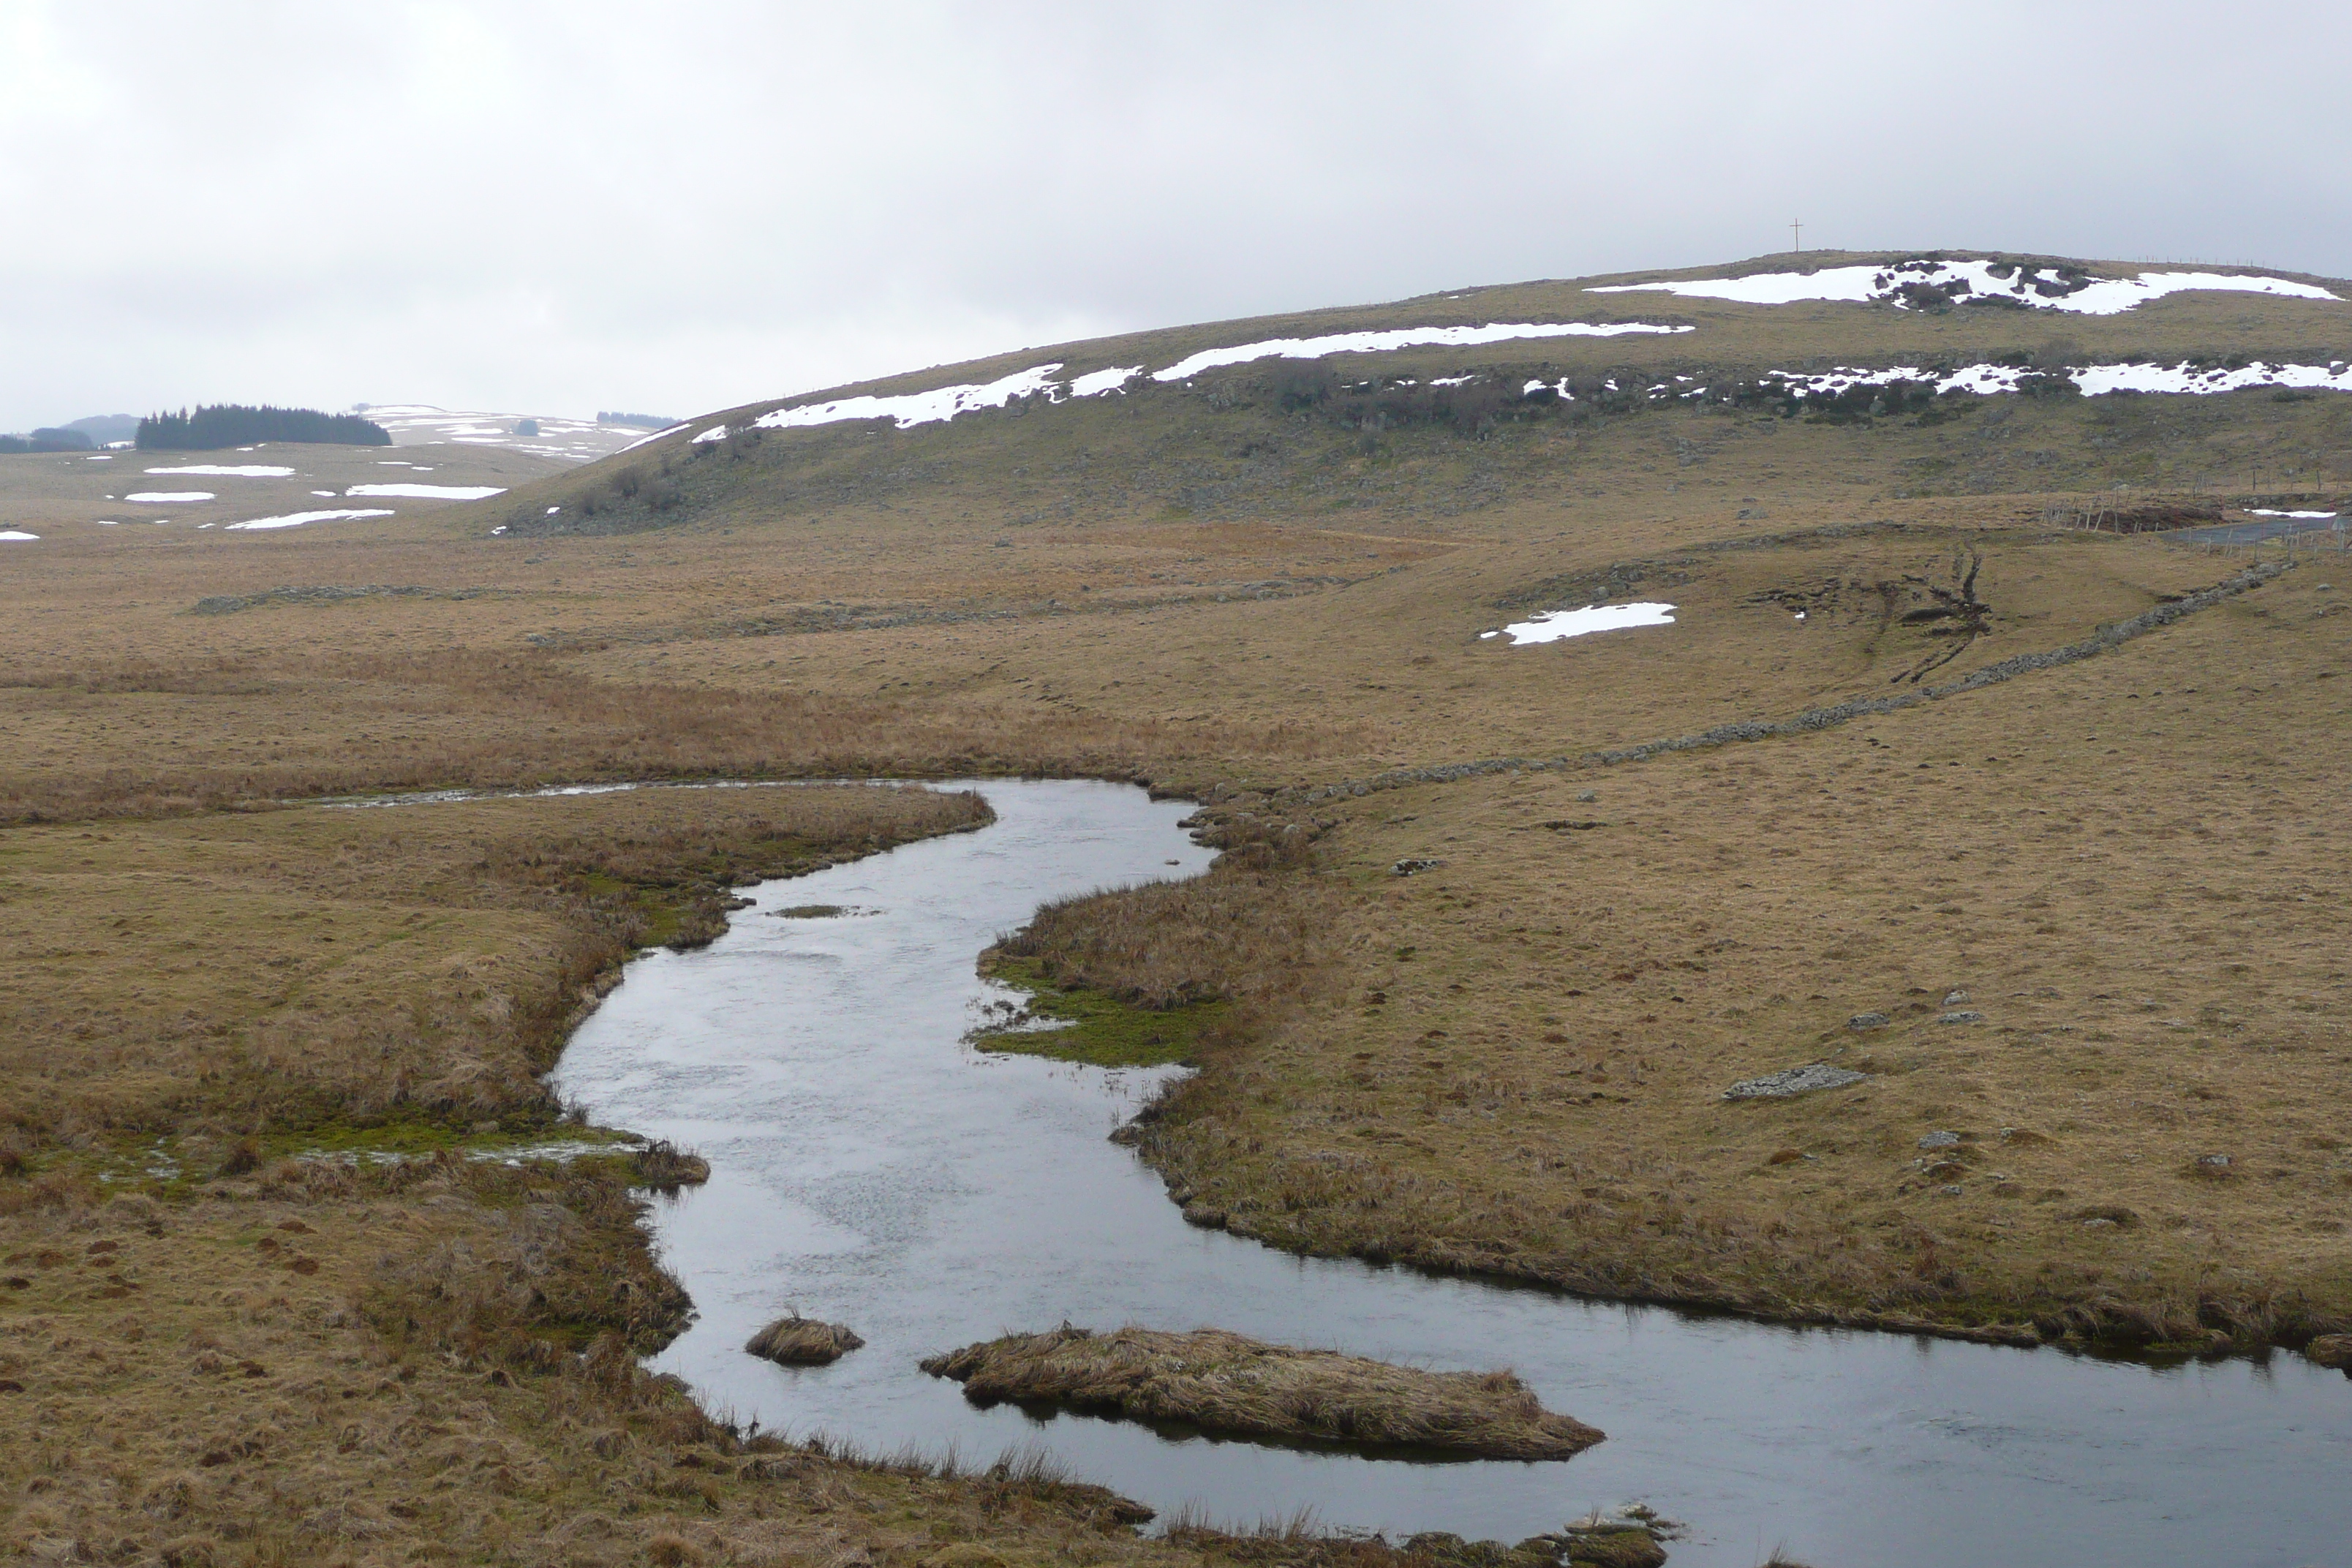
x,y
869,1168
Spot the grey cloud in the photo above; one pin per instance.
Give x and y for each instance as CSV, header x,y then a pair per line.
x,y
550,208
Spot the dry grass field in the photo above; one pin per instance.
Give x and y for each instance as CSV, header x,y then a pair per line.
x,y
183,977
2100,910
66,497
1512,1059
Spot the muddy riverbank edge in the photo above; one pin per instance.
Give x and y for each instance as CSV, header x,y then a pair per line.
x,y
2118,1330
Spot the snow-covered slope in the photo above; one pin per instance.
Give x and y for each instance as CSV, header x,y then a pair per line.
x,y
1934,283
566,440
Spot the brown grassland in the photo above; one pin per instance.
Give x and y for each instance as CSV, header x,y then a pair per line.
x,y
1509,1061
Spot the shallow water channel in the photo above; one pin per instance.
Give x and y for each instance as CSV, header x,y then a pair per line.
x,y
869,1168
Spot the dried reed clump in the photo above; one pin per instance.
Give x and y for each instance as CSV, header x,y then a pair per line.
x,y
795,1340
1221,1382
1624,1549
665,1167
559,1258
1255,937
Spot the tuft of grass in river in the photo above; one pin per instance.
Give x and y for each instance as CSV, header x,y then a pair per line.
x,y
1099,1029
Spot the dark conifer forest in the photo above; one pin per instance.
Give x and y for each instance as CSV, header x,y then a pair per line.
x,y
211,428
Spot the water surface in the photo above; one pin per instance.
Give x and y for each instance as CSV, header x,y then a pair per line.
x,y
870,1169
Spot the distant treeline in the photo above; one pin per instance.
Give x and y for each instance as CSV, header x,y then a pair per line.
x,y
209,429
57,438
643,421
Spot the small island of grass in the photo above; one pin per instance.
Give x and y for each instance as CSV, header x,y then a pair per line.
x,y
1226,1383
1083,1024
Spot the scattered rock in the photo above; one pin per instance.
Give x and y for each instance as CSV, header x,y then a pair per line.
x,y
1628,1538
2331,1350
1410,868
1586,797
1939,1139
1793,1082
1963,1016
796,1341
1621,1549
1956,999
1866,1021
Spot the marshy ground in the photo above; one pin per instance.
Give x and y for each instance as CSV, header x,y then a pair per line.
x,y
1510,1061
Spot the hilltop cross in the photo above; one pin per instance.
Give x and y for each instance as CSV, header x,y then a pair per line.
x,y
1796,234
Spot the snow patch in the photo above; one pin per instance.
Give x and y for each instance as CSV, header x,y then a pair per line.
x,y
567,440
655,436
1911,284
18,536
239,470
165,498
1554,624
715,433
430,492
2092,380
2302,516
910,409
1096,383
295,519
1401,338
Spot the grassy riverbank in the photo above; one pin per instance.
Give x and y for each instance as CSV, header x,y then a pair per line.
x,y
2090,986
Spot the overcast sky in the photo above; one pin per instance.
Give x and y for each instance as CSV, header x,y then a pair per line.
x,y
556,207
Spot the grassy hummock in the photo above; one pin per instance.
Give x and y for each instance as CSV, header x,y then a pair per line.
x,y
795,1340
1100,1030
1226,1383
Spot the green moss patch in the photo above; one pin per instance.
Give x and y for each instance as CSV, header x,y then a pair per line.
x,y
1101,1031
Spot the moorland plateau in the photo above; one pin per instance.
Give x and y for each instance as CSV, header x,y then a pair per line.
x,y
2084,924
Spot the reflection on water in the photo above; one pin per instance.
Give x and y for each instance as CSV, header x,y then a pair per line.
x,y
869,1169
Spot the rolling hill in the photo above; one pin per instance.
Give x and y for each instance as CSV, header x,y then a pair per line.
x,y
2074,376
